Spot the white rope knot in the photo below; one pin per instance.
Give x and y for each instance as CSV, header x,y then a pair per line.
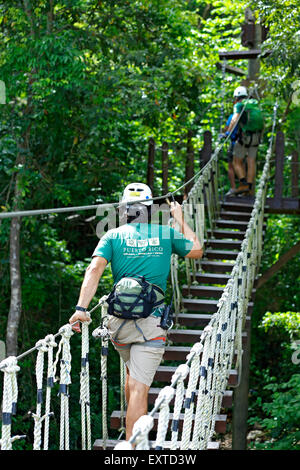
x,y
182,372
124,445
66,331
10,365
195,351
166,394
50,341
143,425
197,348
42,345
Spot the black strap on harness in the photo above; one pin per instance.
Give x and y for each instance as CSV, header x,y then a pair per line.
x,y
242,134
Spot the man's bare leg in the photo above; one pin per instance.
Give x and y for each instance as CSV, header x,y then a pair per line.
x,y
137,402
239,167
231,175
251,164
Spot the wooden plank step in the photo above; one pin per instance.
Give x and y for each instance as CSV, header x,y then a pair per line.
x,y
179,353
176,353
237,206
220,426
165,373
226,400
223,244
237,215
200,305
234,215
177,335
202,291
111,443
216,266
220,254
198,319
206,305
232,234
212,278
205,291
194,319
234,224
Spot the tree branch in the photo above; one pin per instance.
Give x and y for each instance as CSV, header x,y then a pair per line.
x,y
278,265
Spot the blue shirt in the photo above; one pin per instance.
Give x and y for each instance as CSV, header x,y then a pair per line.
x,y
233,136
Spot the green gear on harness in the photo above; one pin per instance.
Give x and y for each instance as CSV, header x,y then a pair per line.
x,y
252,118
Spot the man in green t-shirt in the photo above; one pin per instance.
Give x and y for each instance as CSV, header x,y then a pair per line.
x,y
138,248
250,123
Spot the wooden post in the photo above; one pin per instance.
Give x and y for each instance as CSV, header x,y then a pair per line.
x,y
295,174
189,165
253,33
279,161
165,162
240,399
151,155
206,151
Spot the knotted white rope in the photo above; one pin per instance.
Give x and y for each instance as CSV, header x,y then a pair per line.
x,y
194,356
10,397
65,380
122,395
178,379
86,437
163,402
140,432
50,382
42,348
102,332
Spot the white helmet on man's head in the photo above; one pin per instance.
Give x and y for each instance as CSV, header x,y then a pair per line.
x,y
137,192
240,91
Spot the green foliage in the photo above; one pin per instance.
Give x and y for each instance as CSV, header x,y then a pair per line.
x,y
283,416
288,322
275,336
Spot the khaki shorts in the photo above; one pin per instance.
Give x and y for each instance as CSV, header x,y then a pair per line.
x,y
140,343
241,150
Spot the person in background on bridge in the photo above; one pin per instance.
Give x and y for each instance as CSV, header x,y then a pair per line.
x,y
141,249
247,115
233,137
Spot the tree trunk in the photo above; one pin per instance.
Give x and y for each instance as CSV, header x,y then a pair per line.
x,y
165,164
189,165
15,308
15,287
151,156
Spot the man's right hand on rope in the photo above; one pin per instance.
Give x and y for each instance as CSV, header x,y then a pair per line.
x,y
176,212
81,316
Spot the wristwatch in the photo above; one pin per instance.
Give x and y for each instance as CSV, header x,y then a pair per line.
x,y
82,309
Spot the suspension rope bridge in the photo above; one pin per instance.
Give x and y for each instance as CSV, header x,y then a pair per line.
x,y
198,385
